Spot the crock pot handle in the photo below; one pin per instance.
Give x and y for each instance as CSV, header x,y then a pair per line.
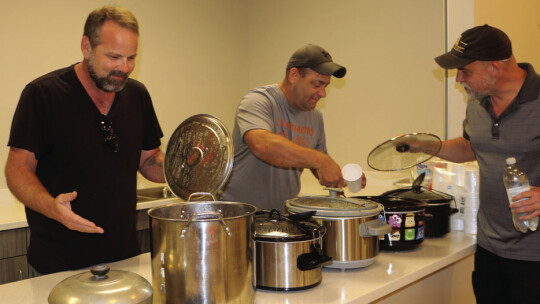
x,y
374,228
312,260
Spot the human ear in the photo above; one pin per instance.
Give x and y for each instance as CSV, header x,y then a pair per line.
x,y
294,75
86,48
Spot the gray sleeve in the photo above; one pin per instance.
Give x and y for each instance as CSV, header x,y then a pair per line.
x,y
254,112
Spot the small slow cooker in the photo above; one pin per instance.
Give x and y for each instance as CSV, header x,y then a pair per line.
x,y
288,253
406,217
438,205
353,227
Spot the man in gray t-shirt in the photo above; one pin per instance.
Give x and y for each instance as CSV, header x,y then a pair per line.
x,y
278,132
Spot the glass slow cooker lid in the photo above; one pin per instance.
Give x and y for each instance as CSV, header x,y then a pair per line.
x,y
420,193
394,154
334,206
397,204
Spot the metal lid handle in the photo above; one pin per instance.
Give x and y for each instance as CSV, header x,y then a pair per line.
x,y
205,214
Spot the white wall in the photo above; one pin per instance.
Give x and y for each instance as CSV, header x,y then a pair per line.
x,y
202,56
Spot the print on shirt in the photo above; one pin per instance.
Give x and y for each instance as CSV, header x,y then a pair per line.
x,y
300,135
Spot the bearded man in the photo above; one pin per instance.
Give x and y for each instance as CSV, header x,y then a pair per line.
x,y
78,137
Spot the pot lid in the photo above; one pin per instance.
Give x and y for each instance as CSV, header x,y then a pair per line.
x,y
271,226
394,154
397,204
422,194
334,206
102,285
199,156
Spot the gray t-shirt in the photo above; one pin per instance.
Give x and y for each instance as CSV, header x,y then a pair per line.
x,y
254,181
515,133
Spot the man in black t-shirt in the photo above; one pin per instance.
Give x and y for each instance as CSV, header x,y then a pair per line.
x,y
79,135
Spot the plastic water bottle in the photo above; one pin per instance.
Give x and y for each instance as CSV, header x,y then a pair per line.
x,y
516,181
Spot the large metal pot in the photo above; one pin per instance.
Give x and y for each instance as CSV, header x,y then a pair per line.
x,y
288,254
202,252
102,285
353,227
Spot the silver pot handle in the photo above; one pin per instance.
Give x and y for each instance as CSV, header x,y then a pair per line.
x,y
205,213
374,228
201,194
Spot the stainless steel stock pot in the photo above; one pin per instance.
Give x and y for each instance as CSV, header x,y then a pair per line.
x,y
202,251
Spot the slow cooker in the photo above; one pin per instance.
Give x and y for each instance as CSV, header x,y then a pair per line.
x,y
353,227
406,217
288,252
439,204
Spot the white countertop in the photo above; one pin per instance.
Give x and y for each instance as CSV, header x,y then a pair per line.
x,y
390,272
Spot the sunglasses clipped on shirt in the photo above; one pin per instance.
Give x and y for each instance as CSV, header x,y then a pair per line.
x,y
105,126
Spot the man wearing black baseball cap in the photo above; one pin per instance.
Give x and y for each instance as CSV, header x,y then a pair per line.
x,y
502,120
278,132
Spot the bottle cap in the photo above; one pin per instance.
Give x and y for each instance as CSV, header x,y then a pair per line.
x,y
510,161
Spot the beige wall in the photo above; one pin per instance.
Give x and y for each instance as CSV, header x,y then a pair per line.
x,y
202,56
392,86
519,19
192,54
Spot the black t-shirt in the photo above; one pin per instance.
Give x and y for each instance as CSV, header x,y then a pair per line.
x,y
57,120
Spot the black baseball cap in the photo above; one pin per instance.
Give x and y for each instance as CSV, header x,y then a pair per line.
x,y
483,43
316,58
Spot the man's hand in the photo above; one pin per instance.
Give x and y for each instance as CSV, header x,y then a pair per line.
x,y
61,210
530,203
329,174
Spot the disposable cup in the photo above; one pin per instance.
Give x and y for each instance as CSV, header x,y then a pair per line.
x,y
352,174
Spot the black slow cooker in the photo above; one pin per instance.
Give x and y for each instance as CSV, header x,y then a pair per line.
x,y
439,204
407,219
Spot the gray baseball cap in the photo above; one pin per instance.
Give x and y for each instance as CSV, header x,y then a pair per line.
x,y
316,58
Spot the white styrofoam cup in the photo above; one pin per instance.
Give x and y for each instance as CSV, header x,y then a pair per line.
x,y
352,174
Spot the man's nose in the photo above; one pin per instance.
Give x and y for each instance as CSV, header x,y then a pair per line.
x,y
322,91
125,65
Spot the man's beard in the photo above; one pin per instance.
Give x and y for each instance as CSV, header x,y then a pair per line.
x,y
106,83
473,94
479,95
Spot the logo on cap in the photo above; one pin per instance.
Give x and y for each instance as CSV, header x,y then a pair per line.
x,y
459,46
